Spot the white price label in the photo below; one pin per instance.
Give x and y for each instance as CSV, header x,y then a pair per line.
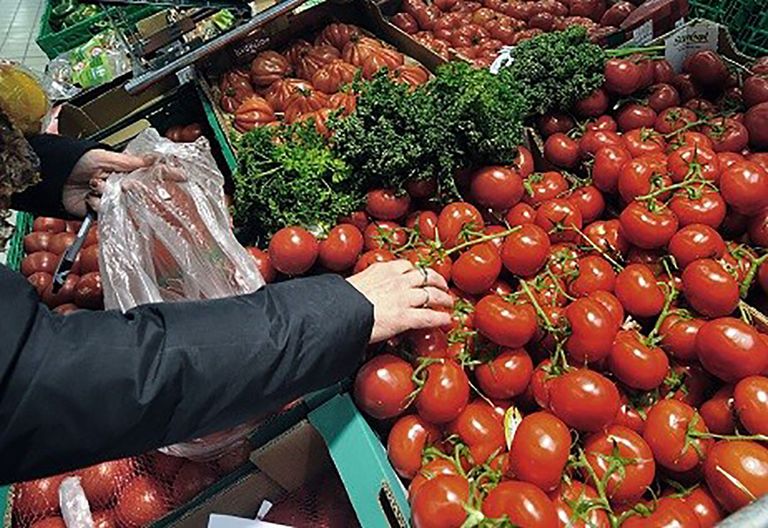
x,y
688,40
186,74
643,34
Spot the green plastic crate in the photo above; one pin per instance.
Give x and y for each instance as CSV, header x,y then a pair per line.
x,y
16,244
747,21
54,43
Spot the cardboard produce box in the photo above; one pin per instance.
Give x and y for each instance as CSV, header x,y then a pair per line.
x,y
334,439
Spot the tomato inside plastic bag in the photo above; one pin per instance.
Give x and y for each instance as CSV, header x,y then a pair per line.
x,y
165,236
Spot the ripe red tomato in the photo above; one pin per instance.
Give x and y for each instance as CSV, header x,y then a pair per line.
x,y
520,214
191,479
140,503
594,140
698,205
727,134
744,187
572,501
525,251
637,364
584,399
40,261
37,497
263,264
454,219
661,97
758,228
540,450
370,258
562,151
37,241
709,288
667,511
633,116
678,337
737,473
406,442
431,258
642,175
696,241
507,375
293,250
522,504
704,506
694,161
477,269
590,202
440,502
438,466
89,292
594,104
622,76
673,119
552,123
444,394
383,386
384,235
731,349
750,397
648,228
644,141
608,236
496,187
631,481
504,323
385,204
611,303
50,522
639,292
340,249
668,433
543,186
718,412
49,225
480,428
102,481
593,329
595,273
559,218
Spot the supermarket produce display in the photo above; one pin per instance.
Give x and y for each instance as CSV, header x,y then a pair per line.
x,y
601,217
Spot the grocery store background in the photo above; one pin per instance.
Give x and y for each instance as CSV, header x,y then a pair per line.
x,y
18,29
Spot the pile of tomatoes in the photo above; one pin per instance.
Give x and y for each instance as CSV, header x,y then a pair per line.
x,y
126,493
309,81
478,29
49,238
602,367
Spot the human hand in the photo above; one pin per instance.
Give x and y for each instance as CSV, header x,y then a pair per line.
x,y
86,182
402,296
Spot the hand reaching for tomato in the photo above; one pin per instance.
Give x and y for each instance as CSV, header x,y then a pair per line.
x,y
403,298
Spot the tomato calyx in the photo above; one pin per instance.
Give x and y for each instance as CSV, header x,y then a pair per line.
x,y
579,461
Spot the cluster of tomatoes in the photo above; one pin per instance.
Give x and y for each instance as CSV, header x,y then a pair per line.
x,y
307,81
602,367
477,30
49,239
126,493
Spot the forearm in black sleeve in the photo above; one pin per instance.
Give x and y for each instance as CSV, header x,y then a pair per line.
x,y
58,156
92,386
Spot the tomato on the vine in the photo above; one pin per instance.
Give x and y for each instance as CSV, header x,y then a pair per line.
x,y
584,399
540,450
383,386
406,442
505,323
525,251
440,502
676,434
507,375
522,504
444,394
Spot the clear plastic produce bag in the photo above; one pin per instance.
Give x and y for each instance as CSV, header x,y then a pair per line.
x,y
165,236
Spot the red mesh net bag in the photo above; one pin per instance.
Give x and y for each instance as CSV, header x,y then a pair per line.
x,y
126,493
321,503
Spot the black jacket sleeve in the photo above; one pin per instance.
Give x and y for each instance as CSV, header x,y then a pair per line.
x,y
58,156
90,386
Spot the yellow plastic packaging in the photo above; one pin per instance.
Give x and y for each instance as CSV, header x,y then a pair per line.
x,y
23,98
